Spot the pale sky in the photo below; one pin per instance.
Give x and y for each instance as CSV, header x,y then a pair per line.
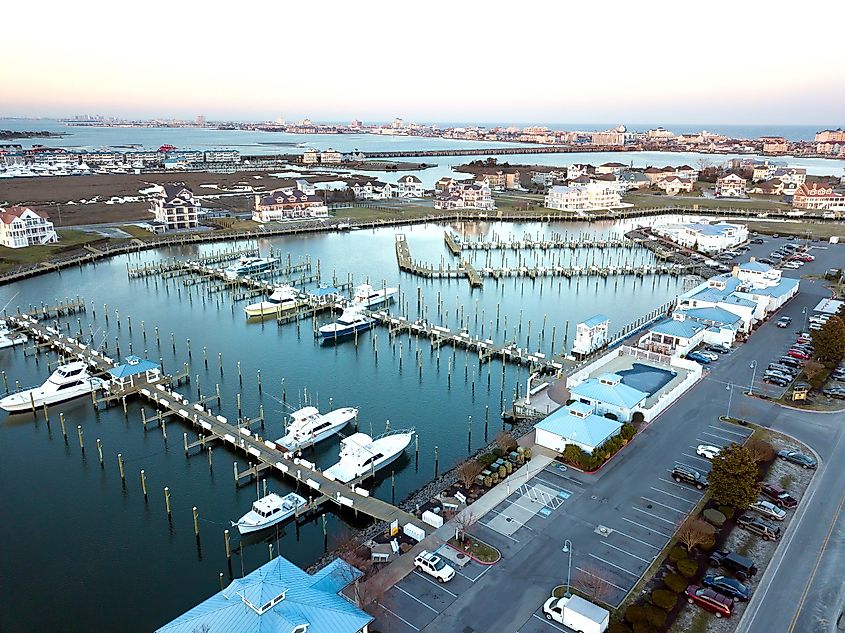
x,y
652,61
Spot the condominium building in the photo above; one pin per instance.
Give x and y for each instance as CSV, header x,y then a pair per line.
x,y
24,226
818,196
731,186
175,207
286,204
588,197
462,195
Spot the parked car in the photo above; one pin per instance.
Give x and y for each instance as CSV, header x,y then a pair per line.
x,y
740,566
765,260
758,526
797,457
784,321
768,510
797,353
719,605
434,566
789,361
698,358
784,369
688,475
709,355
834,392
778,495
804,340
727,586
705,450
776,380
719,349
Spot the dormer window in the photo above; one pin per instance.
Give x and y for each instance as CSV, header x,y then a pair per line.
x,y
300,628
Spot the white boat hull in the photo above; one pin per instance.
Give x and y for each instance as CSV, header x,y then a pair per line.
x,y
37,397
344,417
250,522
346,472
265,308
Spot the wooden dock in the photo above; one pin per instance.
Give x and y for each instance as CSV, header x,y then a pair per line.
x,y
456,244
262,454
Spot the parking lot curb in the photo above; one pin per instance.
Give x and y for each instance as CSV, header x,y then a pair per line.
x,y
479,561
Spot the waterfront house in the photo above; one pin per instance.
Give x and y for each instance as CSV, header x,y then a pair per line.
x,y
287,204
773,187
175,206
587,197
762,171
818,196
24,226
310,157
409,187
722,325
656,174
575,424
791,177
577,170
444,184
464,195
279,597
703,236
609,396
372,190
675,336
673,185
330,157
611,168
731,186
685,171
634,180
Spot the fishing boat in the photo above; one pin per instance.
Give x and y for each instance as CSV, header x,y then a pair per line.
x,y
66,383
248,266
361,455
308,426
351,321
269,510
366,296
10,339
284,298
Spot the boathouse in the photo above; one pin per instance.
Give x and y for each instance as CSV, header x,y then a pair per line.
x,y
279,597
123,375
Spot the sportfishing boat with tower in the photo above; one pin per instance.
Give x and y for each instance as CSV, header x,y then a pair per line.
x,y
284,298
360,455
366,296
66,383
308,426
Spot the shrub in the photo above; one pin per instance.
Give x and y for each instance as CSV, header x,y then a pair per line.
x,y
727,511
707,545
688,568
714,517
635,613
644,627
618,627
627,431
486,459
654,616
497,453
664,599
675,582
677,553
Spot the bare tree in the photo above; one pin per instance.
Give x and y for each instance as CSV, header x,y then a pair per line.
x,y
463,522
812,368
694,532
760,450
703,163
505,441
590,580
468,470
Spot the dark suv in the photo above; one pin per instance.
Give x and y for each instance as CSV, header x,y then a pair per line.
x,y
778,495
758,526
740,566
693,477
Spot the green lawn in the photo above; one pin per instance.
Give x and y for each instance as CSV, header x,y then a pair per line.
x,y
68,240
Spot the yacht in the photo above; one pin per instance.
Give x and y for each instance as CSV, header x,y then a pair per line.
x,y
66,383
248,265
367,296
308,426
10,339
360,455
284,298
268,511
351,321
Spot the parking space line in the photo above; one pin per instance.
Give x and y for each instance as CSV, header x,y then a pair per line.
x,y
627,553
665,506
724,430
676,484
413,597
439,585
550,623
551,485
535,511
584,571
634,538
669,494
724,439
490,527
645,527
562,476
607,562
396,615
507,516
672,523
687,465
701,459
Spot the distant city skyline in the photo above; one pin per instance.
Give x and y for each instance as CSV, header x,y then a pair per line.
x,y
549,64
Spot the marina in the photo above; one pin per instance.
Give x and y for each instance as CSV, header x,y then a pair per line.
x,y
450,354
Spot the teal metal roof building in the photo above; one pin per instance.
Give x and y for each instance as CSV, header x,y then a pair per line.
x,y
609,389
575,424
279,597
133,366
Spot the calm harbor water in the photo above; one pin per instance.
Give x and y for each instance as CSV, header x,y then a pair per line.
x,y
111,560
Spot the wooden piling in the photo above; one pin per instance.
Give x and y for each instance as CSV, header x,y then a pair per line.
x,y
167,500
120,467
144,483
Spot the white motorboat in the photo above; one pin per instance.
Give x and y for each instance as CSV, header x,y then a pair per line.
x,y
367,296
268,511
66,383
351,321
308,426
10,339
284,298
360,455
248,266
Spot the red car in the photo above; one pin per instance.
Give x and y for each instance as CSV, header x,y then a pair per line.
x,y
808,258
797,353
804,340
709,600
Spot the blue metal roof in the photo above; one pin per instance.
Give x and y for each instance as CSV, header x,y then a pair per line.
x,y
591,431
783,287
713,314
757,267
619,394
595,320
276,598
680,329
134,365
711,229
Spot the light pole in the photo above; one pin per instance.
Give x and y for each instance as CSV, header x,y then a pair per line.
x,y
567,549
804,312
753,366
729,387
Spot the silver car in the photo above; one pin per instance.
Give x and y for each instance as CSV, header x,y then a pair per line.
x,y
768,510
